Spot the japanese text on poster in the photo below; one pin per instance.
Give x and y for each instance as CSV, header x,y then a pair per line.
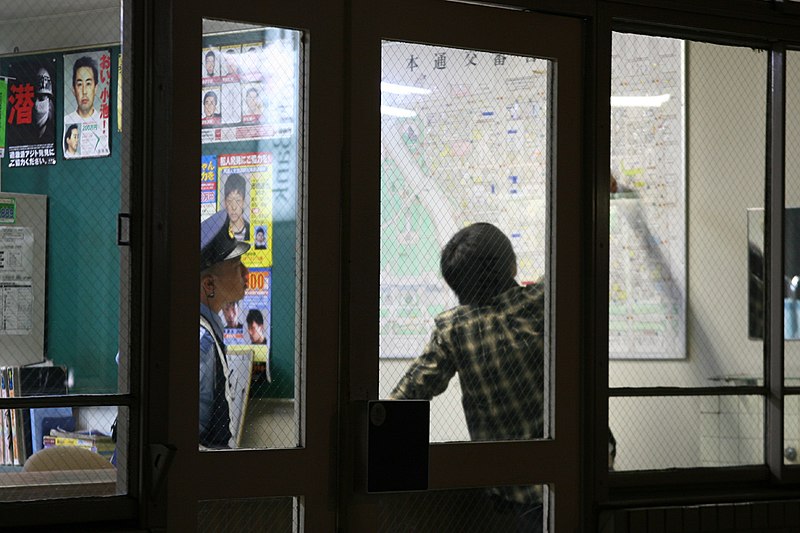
x,y
87,104
30,116
16,280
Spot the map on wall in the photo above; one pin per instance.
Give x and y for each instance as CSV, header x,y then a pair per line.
x,y
647,241
464,139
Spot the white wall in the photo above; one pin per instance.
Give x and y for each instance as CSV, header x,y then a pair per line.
x,y
726,97
37,25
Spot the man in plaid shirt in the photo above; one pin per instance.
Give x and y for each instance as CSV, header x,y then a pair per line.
x,y
494,340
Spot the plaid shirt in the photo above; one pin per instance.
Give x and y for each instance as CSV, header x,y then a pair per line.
x,y
498,352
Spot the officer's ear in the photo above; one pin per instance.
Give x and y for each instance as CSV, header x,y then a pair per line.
x,y
207,283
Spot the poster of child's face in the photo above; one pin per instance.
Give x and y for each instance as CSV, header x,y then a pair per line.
x,y
230,60
260,238
235,200
257,326
253,104
210,63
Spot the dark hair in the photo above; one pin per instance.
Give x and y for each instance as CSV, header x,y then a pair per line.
x,y
210,93
254,315
478,263
210,53
260,229
66,134
84,61
235,183
252,90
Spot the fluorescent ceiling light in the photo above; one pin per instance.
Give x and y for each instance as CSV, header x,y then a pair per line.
x,y
402,89
639,101
397,112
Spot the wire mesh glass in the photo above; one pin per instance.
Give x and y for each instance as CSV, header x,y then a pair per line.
x,y
249,202
791,236
64,261
455,511
267,515
655,433
688,126
46,453
465,160
679,295
791,427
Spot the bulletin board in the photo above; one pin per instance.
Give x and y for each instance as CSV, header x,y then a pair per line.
x,y
23,238
647,239
82,301
248,106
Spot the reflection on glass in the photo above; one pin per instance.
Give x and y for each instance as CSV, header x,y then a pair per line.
x,y
464,226
248,212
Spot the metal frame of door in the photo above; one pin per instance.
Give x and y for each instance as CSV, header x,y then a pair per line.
x,y
556,461
308,471
340,239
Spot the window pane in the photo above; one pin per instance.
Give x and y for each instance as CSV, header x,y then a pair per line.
x,y
269,515
82,311
465,139
65,301
687,432
250,248
791,249
454,511
791,430
679,216
46,454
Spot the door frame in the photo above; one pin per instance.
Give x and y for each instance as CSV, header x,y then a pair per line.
x,y
173,413
556,461
340,275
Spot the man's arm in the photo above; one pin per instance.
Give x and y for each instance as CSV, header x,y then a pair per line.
x,y
428,375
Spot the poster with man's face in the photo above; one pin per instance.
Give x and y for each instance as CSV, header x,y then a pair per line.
x,y
31,113
87,104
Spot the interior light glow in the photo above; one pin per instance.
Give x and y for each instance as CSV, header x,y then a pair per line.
x,y
394,88
639,101
397,111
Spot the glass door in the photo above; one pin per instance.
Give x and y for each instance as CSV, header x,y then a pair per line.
x,y
249,446
464,271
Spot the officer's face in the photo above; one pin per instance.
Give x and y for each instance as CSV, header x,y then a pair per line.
x,y
230,280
